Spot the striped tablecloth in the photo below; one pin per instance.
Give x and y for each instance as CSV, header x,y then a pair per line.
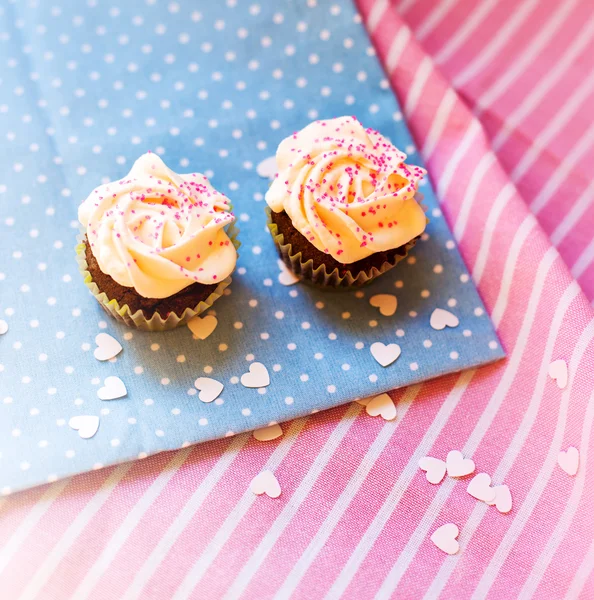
x,y
499,97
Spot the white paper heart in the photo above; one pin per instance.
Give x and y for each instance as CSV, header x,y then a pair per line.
x,y
210,389
267,168
440,319
3,327
383,406
107,347
480,488
434,468
457,465
286,277
444,538
202,327
113,388
558,372
502,500
86,425
569,460
265,434
266,483
256,377
385,354
387,303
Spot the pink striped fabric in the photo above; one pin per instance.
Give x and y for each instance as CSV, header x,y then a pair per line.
x,y
498,96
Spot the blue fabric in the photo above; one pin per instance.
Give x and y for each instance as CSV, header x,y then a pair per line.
x,y
212,87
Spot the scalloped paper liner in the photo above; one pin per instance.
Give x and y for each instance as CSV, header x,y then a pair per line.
x,y
318,275
137,319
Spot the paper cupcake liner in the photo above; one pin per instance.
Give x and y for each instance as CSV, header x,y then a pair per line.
x,y
137,319
318,274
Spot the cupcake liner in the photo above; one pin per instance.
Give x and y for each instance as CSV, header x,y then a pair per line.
x,y
137,319
318,275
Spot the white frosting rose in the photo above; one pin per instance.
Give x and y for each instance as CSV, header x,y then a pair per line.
x,y
159,232
347,189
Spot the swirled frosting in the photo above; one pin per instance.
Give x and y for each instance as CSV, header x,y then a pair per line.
x,y
347,189
157,231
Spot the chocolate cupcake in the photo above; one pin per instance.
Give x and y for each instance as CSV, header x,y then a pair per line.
x,y
157,247
344,207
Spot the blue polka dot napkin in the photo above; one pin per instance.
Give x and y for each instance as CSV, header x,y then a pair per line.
x,y
86,87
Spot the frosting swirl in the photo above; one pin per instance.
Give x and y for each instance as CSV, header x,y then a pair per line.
x,y
158,231
347,189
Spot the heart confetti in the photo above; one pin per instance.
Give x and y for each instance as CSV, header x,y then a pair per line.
x,y
558,373
210,389
267,168
86,425
502,500
385,354
569,460
383,406
387,303
113,388
265,434
107,347
440,319
480,488
257,377
434,468
444,538
3,327
266,483
202,327
457,465
286,277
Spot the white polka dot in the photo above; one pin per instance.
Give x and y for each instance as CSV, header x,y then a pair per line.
x,y
289,400
304,377
291,346
454,355
478,311
246,412
413,366
318,356
427,343
467,333
373,378
331,389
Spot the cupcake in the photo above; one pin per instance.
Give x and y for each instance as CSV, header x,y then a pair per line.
x,y
344,207
157,248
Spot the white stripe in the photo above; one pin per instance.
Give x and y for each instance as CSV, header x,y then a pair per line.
x,y
571,507
209,554
132,519
448,174
42,505
540,143
471,22
572,217
524,62
410,470
439,122
82,519
419,536
357,479
542,88
563,170
542,479
434,19
515,446
584,261
375,14
267,543
405,6
397,47
508,278
474,186
582,575
489,52
183,518
418,83
490,225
